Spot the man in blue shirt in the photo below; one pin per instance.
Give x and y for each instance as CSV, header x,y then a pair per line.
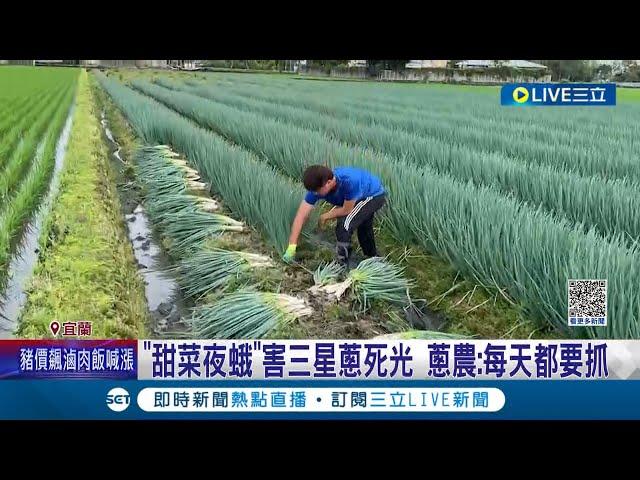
x,y
356,195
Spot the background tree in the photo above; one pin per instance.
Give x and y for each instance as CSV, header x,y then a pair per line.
x,y
570,70
603,72
375,66
395,64
631,74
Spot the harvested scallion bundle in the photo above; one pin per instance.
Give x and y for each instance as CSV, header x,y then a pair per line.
x,y
164,208
327,272
212,269
161,180
190,229
165,150
247,314
374,278
163,173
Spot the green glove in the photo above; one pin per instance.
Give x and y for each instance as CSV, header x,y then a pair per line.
x,y
289,253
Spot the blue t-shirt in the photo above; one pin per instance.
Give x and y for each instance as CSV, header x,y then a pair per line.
x,y
353,184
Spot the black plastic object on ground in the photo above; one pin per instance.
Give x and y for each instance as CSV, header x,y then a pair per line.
x,y
421,317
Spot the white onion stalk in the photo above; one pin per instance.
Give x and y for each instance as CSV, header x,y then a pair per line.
x,y
178,162
230,221
207,204
197,186
291,305
332,289
256,260
190,171
326,273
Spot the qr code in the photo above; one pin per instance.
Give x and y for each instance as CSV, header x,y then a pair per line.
x,y
587,303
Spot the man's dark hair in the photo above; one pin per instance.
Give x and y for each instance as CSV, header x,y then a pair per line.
x,y
316,176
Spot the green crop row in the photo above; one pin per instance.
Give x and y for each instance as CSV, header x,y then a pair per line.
x,y
610,205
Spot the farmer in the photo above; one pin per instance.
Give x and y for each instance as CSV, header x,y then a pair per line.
x,y
356,195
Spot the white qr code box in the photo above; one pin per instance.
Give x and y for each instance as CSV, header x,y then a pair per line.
x,y
587,300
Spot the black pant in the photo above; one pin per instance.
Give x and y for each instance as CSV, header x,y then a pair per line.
x,y
361,220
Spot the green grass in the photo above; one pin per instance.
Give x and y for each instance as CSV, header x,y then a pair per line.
x,y
21,196
25,154
87,269
630,95
27,149
20,125
23,81
15,109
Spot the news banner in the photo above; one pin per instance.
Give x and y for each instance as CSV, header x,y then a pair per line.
x,y
266,379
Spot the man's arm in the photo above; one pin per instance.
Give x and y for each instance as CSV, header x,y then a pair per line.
x,y
298,222
342,211
350,197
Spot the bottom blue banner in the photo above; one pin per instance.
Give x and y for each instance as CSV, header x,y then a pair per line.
x,y
508,400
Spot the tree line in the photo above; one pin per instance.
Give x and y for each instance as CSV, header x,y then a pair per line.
x,y
560,70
